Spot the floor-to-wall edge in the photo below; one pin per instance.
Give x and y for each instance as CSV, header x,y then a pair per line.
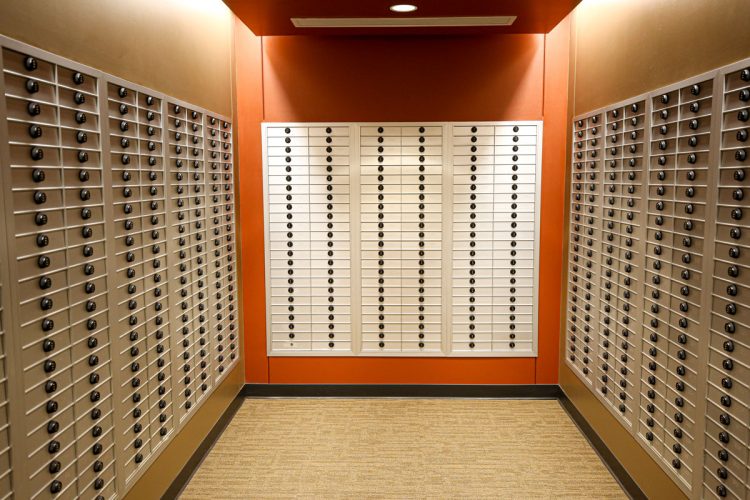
x,y
157,481
633,460
499,391
610,460
195,460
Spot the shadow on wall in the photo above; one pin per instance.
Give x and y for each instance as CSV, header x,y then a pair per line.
x,y
398,78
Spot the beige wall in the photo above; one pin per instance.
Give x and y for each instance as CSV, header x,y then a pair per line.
x,y
179,47
620,49
627,47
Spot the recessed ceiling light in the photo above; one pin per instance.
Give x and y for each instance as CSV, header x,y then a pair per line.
x,y
403,7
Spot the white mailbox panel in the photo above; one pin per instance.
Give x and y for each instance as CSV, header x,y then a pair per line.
x,y
375,234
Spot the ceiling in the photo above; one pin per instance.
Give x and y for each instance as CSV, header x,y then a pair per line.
x,y
272,17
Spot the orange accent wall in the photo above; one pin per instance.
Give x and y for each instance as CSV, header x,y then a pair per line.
x,y
403,78
509,77
552,226
248,116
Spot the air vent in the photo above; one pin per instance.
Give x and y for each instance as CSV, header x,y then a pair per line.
x,y
401,22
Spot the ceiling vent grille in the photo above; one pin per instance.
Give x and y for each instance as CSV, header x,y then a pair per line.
x,y
401,22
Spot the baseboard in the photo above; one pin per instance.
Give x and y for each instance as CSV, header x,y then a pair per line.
x,y
407,391
615,467
402,391
200,453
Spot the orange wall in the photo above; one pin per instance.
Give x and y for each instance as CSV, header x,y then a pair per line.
x,y
403,78
512,77
248,116
554,180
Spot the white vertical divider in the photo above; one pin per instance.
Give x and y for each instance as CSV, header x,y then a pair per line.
x,y
447,246
14,392
355,242
537,234
174,337
109,246
267,235
638,382
707,284
13,347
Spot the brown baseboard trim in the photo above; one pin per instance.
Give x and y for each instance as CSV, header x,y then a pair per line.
x,y
523,391
200,453
409,391
610,461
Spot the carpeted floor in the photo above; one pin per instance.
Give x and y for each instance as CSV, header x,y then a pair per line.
x,y
401,448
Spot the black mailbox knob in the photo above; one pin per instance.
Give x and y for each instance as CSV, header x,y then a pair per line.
x,y
34,108
32,86
35,131
30,64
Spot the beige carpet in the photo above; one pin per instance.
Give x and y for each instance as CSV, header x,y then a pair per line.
x,y
401,448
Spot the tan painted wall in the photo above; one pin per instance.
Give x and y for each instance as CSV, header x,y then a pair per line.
x,y
183,48
628,47
179,47
619,49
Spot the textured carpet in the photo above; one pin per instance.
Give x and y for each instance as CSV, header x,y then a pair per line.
x,y
401,448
